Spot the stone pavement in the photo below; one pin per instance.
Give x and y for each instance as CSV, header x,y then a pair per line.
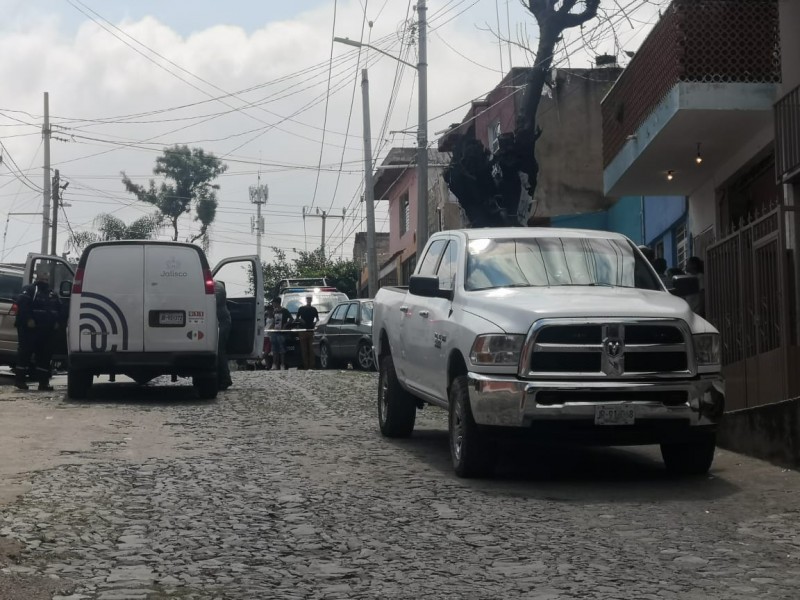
x,y
283,488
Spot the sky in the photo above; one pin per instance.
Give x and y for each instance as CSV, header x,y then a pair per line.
x,y
253,83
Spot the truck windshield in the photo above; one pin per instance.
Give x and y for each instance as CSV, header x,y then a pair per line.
x,y
556,261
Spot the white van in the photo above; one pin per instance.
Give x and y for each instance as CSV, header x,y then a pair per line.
x,y
147,308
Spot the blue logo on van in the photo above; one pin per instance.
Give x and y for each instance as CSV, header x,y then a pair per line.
x,y
99,318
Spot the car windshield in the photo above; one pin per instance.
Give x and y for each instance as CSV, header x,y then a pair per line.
x,y
556,261
324,303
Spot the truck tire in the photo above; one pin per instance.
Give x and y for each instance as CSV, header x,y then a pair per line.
x,y
471,453
397,410
205,386
691,458
78,384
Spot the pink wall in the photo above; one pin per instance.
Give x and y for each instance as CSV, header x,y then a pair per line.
x,y
407,182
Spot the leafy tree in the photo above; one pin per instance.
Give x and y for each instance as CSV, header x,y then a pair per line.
x,y
108,227
189,174
489,187
342,274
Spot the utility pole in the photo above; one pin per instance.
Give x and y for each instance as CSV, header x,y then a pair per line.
x,y
322,214
46,204
56,204
422,134
258,196
369,192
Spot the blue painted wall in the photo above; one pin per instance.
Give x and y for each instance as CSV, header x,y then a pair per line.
x,y
660,214
624,217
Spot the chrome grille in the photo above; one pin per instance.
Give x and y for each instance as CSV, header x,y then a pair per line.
x,y
615,349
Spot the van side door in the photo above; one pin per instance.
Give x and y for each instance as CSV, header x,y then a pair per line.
x,y
61,272
244,285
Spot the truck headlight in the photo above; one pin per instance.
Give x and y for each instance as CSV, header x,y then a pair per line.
x,y
496,349
707,349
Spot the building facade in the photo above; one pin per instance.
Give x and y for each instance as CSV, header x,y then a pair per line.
x,y
709,109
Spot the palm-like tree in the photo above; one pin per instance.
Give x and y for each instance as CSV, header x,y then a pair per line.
x,y
108,227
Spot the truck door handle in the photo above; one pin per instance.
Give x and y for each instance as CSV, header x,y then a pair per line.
x,y
424,314
403,309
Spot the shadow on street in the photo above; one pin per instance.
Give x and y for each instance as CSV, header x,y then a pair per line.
x,y
584,474
129,393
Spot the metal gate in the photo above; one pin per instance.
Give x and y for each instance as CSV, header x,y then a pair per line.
x,y
748,289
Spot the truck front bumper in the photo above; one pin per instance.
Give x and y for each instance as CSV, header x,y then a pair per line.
x,y
660,407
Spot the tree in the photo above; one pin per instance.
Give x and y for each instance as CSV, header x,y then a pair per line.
x,y
489,187
189,174
110,227
341,274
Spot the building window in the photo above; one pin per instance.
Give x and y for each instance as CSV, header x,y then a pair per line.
x,y
405,214
494,135
407,269
681,246
660,249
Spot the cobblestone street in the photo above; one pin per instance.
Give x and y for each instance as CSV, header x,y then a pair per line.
x,y
283,488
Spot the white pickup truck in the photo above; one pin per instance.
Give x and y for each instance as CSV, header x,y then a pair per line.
x,y
560,335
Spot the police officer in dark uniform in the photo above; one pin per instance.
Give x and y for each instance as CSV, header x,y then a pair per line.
x,y
38,318
224,322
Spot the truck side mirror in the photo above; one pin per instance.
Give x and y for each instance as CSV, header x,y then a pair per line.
x,y
685,285
65,289
427,286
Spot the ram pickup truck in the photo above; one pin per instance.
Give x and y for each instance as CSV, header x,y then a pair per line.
x,y
553,334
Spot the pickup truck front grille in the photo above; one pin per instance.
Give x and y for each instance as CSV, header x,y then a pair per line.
x,y
617,349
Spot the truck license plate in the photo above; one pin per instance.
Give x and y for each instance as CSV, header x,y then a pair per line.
x,y
614,414
171,319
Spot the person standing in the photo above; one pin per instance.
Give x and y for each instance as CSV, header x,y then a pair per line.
x,y
38,318
282,319
224,322
308,317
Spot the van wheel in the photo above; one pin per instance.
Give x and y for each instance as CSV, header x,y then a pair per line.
x,y
693,458
471,453
205,386
397,410
78,384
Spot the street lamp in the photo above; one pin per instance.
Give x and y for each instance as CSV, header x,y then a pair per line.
x,y
422,133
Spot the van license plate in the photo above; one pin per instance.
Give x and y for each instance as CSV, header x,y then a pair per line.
x,y
614,414
171,319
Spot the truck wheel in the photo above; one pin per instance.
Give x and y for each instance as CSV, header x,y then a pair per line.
x,y
471,453
78,384
364,357
205,386
396,409
692,458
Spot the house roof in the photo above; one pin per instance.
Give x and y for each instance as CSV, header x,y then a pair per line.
x,y
399,157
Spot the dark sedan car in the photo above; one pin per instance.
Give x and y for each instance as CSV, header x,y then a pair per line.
x,y
346,337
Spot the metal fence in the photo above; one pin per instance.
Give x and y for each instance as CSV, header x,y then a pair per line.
x,y
748,287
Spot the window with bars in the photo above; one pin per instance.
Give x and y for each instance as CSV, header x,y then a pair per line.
x,y
681,246
405,214
494,135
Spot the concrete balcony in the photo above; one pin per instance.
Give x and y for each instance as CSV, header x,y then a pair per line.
x,y
705,79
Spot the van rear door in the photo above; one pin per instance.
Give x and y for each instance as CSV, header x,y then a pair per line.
x,y
179,312
59,271
109,310
244,285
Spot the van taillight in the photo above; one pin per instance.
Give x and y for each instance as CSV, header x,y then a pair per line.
x,y
209,278
77,282
13,310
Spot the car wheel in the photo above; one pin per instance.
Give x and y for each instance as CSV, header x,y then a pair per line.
x,y
397,410
325,356
471,453
78,384
364,357
692,458
205,386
